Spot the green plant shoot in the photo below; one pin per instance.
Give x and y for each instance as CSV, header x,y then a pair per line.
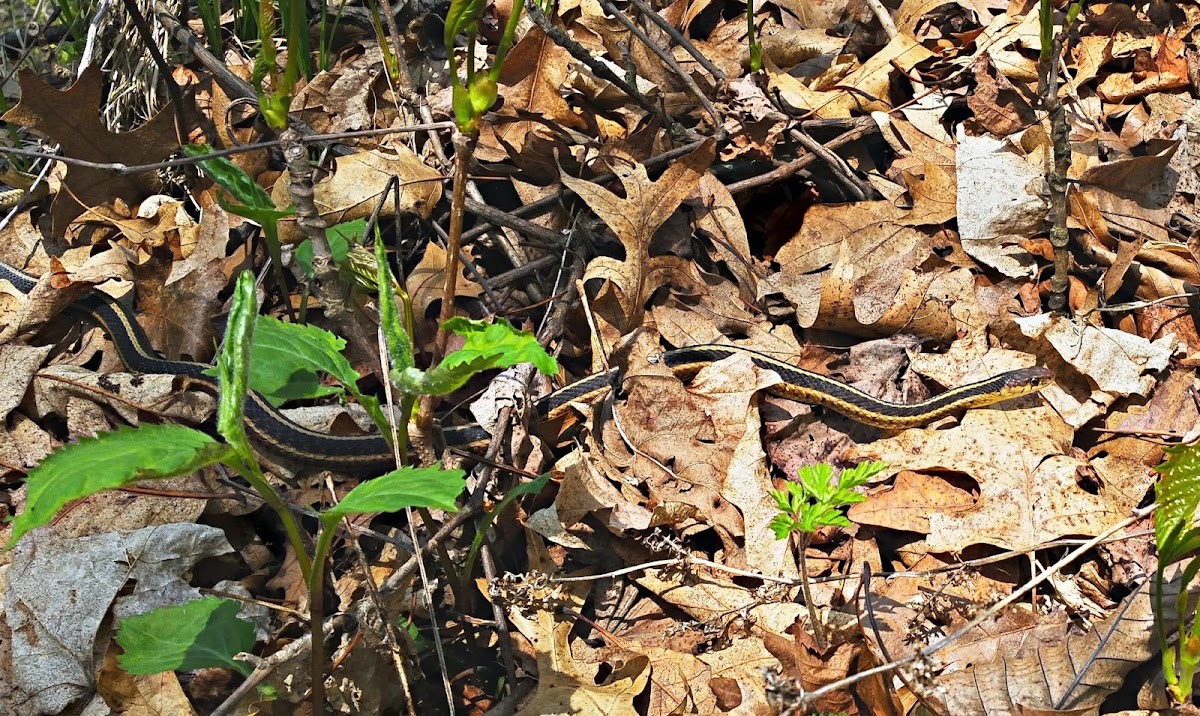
x,y
815,501
1176,535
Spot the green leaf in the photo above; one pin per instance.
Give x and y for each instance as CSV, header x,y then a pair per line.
x,y
782,526
263,217
109,461
232,179
287,359
431,486
200,634
821,515
233,366
342,236
463,17
1178,493
816,480
496,345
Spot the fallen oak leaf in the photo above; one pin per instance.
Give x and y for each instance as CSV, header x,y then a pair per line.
x,y
646,206
72,119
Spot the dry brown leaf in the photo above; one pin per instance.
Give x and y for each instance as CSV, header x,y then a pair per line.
x,y
873,274
934,195
131,695
24,444
634,219
866,88
358,182
62,590
1161,69
565,685
1029,491
814,667
728,607
718,313
72,119
753,124
534,73
1117,363
342,98
997,105
424,284
168,311
1020,663
907,504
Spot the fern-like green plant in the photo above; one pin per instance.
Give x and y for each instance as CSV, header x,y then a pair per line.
x,y
812,502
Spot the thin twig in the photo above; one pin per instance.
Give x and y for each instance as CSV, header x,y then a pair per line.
x,y
663,54
679,39
865,126
599,69
121,168
884,17
859,190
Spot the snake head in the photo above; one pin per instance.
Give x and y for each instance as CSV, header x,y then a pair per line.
x,y
1026,380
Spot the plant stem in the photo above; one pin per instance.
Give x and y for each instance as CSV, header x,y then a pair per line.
x,y
1060,158
813,618
316,612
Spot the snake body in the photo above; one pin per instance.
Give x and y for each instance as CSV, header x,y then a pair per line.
x,y
364,453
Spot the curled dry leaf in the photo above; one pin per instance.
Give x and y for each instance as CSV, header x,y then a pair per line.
x,y
357,184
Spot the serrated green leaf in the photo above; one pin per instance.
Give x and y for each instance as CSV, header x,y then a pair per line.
x,y
233,365
1178,493
288,358
860,474
109,461
814,477
200,634
817,516
496,345
407,487
782,526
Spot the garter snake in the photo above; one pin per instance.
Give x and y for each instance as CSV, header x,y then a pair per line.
x,y
279,435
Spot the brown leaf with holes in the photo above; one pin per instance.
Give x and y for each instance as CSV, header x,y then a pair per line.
x,y
1029,492
72,119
